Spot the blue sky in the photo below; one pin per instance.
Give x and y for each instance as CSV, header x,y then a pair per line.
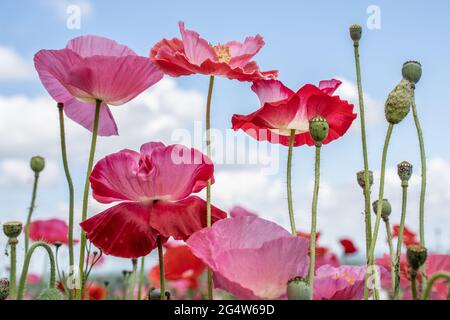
x,y
307,41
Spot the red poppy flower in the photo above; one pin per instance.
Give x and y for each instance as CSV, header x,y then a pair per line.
x,y
283,110
348,246
154,188
51,231
192,54
409,236
307,235
95,291
179,264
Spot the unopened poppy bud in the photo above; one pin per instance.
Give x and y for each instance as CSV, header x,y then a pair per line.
x,y
318,129
416,255
4,288
298,289
412,71
50,294
399,102
37,164
386,208
404,171
362,180
12,229
355,32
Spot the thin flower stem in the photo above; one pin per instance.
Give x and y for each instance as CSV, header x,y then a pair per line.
x,y
30,211
289,179
132,280
13,268
141,277
380,200
400,240
312,248
86,196
432,280
71,189
208,185
161,269
423,185
26,264
391,254
414,285
368,222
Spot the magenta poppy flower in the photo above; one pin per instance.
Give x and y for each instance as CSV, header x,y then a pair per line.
x,y
238,211
192,54
348,246
51,231
252,258
283,110
92,68
154,189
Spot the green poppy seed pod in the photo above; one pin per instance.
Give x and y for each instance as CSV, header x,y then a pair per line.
x,y
4,288
355,32
50,294
318,129
12,229
399,102
154,294
412,71
362,180
298,289
37,164
386,209
404,171
416,256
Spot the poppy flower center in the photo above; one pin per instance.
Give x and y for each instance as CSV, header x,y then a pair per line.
x,y
223,53
347,277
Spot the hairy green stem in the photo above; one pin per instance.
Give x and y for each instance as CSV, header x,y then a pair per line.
x,y
26,264
312,248
380,201
86,196
141,277
132,280
391,254
208,185
400,240
13,267
413,277
161,269
30,211
432,280
289,181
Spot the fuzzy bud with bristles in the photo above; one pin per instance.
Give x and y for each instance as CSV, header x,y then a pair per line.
x,y
412,71
416,256
298,289
362,181
12,229
404,171
50,294
37,164
386,209
4,288
399,102
318,129
355,32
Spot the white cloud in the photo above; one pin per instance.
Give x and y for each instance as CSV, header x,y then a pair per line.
x,y
17,172
59,7
13,66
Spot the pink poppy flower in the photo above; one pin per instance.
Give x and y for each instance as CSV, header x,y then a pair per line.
x,y
251,258
339,283
192,54
52,231
154,189
325,257
238,211
348,245
33,279
93,68
283,110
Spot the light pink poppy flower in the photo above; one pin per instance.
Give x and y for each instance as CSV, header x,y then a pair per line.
x,y
93,68
238,211
251,258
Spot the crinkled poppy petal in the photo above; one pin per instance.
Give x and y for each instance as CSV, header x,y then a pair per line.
x,y
241,53
329,86
238,211
88,45
84,114
182,218
113,80
348,246
51,231
249,72
271,91
116,177
253,269
148,148
179,171
196,49
233,287
438,263
122,231
339,283
180,263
